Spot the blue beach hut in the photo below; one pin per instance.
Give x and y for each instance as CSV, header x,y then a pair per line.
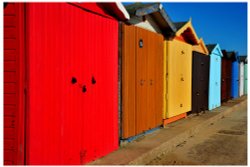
x,y
214,93
235,75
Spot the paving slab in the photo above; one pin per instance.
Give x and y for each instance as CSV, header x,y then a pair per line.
x,y
145,148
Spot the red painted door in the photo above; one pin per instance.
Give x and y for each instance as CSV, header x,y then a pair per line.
x,y
72,88
13,84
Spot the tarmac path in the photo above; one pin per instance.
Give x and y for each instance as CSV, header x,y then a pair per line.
x,y
224,142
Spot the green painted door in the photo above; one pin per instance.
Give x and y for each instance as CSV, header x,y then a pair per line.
x,y
245,79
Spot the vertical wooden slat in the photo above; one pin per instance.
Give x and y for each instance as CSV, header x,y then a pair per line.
x,y
13,83
151,52
142,112
128,80
165,86
159,73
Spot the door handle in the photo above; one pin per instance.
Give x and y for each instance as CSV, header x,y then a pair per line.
x,y
151,82
182,79
197,93
142,82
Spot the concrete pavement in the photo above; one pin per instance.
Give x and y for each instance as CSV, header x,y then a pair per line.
x,y
165,140
222,143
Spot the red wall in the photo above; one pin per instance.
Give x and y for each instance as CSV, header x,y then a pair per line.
x,y
64,124
13,84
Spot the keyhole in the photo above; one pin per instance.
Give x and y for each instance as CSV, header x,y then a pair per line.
x,y
140,43
73,80
93,80
84,89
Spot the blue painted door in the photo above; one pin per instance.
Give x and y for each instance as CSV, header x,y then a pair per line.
x,y
235,80
214,82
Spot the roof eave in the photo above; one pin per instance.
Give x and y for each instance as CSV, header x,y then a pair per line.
x,y
147,10
202,43
117,10
185,27
125,14
155,10
218,47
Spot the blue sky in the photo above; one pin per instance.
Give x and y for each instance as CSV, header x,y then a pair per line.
x,y
223,23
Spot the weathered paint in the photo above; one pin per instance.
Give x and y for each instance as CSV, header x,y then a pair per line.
x,y
245,79
214,95
178,78
241,79
235,79
14,84
142,80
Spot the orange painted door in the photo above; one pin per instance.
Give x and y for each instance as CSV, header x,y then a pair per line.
x,y
152,48
142,71
142,80
128,81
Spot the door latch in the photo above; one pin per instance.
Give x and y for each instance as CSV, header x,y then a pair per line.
x,y
151,82
142,82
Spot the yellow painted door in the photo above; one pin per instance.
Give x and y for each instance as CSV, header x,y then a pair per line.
x,y
178,78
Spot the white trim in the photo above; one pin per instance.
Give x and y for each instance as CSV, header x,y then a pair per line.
x,y
160,6
123,10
